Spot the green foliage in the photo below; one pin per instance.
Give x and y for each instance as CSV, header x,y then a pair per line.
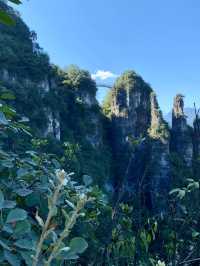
x,y
128,80
106,106
159,128
29,182
58,250
79,80
19,51
160,132
48,218
24,70
5,18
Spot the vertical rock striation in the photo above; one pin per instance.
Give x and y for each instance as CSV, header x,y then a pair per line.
x,y
130,109
196,147
196,139
140,141
181,141
160,164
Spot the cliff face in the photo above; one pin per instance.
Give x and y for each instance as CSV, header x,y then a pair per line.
x,y
61,105
144,144
131,105
141,139
160,165
181,142
133,146
130,108
196,140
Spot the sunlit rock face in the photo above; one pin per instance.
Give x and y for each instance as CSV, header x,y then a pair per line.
x,y
181,140
131,105
140,140
196,146
130,108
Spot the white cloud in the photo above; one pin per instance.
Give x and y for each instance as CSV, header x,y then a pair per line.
x,y
101,74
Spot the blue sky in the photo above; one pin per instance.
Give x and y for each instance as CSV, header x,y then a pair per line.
x,y
160,40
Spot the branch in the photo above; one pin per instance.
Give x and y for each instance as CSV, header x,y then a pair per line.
x,y
189,261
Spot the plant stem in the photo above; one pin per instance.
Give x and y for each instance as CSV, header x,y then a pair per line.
x,y
66,231
45,231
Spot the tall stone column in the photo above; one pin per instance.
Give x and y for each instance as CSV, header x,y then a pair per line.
x,y
160,165
196,145
181,141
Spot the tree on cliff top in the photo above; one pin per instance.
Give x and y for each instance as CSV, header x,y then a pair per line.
x,y
5,18
80,80
19,51
128,80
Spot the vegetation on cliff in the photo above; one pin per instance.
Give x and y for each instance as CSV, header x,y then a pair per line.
x,y
128,79
89,213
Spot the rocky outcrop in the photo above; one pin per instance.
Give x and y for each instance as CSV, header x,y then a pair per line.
x,y
5,76
130,112
53,124
160,165
196,146
131,105
140,140
181,140
95,138
196,139
87,98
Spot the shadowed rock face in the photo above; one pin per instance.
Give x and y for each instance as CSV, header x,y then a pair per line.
x,y
53,125
159,176
181,141
196,140
196,147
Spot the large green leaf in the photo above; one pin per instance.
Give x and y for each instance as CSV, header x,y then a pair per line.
x,y
16,215
78,245
68,255
25,244
22,228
